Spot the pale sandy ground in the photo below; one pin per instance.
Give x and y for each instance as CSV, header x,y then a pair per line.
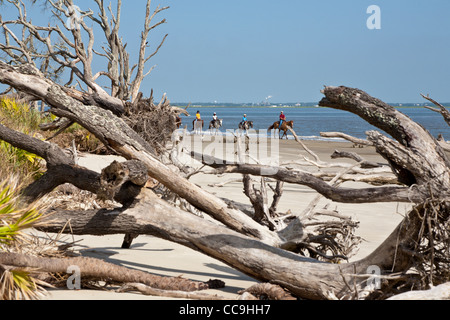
x,y
161,257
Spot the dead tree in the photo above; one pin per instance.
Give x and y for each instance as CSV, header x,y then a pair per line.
x,y
65,50
440,109
426,183
414,255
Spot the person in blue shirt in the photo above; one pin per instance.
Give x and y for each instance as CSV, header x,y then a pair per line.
x,y
244,120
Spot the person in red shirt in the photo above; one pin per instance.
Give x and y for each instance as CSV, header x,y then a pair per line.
x,y
282,118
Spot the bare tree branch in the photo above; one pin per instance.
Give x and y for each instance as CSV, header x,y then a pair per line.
x,y
136,83
345,195
356,141
68,49
442,110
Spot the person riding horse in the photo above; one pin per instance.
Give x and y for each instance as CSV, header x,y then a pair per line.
x,y
215,119
198,119
245,124
282,125
244,121
216,123
282,118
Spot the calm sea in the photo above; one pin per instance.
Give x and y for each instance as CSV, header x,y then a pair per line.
x,y
309,122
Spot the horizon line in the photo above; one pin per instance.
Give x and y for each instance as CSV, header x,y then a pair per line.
x,y
299,104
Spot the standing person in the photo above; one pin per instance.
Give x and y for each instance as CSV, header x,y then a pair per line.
x,y
282,118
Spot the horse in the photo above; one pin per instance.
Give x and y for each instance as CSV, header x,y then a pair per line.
x,y
284,127
197,126
246,126
215,124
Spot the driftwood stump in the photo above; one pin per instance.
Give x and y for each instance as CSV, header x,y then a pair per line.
x,y
123,182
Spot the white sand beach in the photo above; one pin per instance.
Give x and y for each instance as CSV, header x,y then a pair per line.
x,y
165,258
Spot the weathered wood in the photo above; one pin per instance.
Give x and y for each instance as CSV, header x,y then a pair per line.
x,y
131,175
353,155
201,199
97,269
441,109
26,78
258,198
342,135
277,194
268,291
345,195
249,247
50,152
417,159
61,169
422,159
116,135
152,216
305,277
150,291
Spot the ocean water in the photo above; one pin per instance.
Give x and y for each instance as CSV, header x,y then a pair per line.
x,y
310,122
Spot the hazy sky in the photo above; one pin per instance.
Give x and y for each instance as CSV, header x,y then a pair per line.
x,y
247,50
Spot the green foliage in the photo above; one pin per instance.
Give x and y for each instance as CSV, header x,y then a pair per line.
x,y
13,216
15,283
19,161
20,117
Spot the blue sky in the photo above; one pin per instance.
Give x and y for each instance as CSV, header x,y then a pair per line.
x,y
244,51
247,50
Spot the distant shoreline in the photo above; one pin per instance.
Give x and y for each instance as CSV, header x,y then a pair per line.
x,y
256,135
276,106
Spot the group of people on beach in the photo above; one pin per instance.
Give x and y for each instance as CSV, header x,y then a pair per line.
x,y
198,117
244,121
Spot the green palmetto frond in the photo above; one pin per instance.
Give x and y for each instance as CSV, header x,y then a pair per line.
x,y
13,216
16,283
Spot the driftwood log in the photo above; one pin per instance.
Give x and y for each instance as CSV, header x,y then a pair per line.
x,y
120,180
92,268
416,158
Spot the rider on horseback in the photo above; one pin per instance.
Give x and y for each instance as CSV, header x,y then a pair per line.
x,y
244,120
282,118
215,119
197,120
